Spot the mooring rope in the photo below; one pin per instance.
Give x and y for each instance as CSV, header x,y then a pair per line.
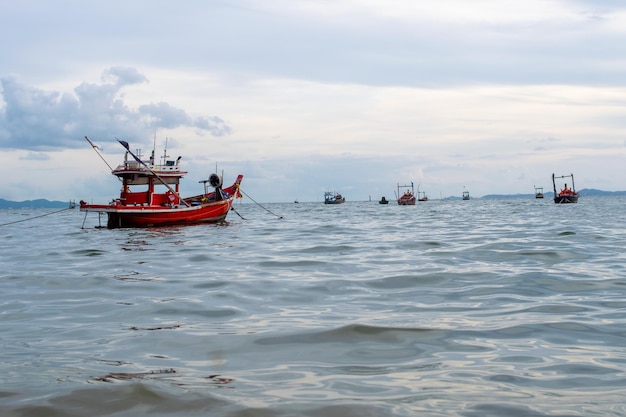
x,y
36,217
264,208
236,212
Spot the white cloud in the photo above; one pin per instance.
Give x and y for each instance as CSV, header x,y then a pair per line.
x,y
36,119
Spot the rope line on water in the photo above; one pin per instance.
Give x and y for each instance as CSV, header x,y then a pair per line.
x,y
35,217
264,208
233,209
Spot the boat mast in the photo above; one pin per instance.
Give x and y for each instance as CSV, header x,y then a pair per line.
x,y
153,149
165,155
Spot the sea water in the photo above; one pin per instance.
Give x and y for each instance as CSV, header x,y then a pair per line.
x,y
503,307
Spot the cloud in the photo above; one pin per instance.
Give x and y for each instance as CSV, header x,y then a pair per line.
x,y
38,120
169,117
123,76
213,124
35,156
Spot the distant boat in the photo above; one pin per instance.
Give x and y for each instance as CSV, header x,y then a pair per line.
x,y
566,195
383,200
466,195
146,206
421,195
333,197
538,192
407,198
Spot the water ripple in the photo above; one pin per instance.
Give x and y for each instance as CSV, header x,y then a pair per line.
x,y
449,308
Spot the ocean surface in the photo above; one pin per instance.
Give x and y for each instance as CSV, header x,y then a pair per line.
x,y
506,307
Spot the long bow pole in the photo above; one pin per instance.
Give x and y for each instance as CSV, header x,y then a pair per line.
x,y
125,145
95,148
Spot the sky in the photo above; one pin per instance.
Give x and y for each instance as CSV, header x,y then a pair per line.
x,y
307,96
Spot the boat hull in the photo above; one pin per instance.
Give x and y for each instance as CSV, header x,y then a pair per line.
x,y
338,201
566,199
407,201
167,217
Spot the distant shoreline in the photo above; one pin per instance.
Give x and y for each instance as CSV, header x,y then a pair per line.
x,y
43,203
39,203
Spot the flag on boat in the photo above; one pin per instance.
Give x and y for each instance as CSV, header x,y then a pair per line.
x,y
125,144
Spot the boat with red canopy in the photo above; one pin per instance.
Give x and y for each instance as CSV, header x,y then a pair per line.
x,y
566,195
406,198
150,195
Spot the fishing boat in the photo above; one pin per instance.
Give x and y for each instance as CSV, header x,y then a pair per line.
x,y
566,195
421,195
333,197
150,195
407,198
538,192
383,200
466,195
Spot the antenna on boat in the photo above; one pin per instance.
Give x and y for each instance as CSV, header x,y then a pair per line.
x,y
153,149
165,153
95,148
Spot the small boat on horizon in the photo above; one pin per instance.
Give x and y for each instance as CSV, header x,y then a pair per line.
x,y
566,195
466,195
407,198
333,197
421,195
383,200
150,195
538,192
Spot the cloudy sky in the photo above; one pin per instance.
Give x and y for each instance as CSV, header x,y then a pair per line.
x,y
303,96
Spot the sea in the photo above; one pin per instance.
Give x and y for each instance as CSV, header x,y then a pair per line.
x,y
487,307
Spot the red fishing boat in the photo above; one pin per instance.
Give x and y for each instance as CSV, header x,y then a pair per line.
x,y
157,202
407,198
566,195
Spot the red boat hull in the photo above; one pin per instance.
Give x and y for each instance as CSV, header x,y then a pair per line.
x,y
406,201
150,217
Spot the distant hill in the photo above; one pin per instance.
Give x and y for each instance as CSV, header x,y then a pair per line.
x,y
583,192
593,191
40,203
